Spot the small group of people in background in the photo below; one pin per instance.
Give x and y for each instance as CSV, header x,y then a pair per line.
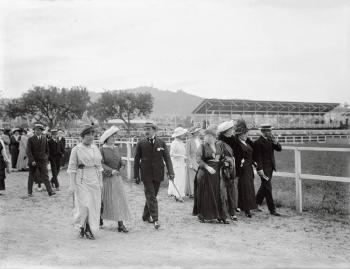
x,y
32,150
219,173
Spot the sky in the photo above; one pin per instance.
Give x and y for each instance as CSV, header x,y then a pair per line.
x,y
287,50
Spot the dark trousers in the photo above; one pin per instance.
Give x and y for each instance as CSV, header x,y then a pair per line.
x,y
265,191
39,173
14,157
151,206
55,163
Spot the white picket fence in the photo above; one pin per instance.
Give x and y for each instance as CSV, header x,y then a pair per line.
x,y
297,175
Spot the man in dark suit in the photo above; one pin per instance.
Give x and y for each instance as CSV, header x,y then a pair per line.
x,y
264,148
151,153
14,146
37,152
56,151
62,141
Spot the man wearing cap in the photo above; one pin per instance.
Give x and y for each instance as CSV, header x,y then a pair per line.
x,y
264,148
37,152
151,153
56,151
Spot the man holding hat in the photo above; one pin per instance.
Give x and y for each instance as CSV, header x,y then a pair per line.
x,y
56,151
37,152
264,148
151,153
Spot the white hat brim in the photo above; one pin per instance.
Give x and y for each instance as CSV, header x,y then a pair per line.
x,y
182,132
108,133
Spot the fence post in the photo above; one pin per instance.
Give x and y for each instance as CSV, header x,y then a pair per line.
x,y
128,156
298,187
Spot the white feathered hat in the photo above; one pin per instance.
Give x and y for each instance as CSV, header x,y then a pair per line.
x,y
108,133
179,131
225,126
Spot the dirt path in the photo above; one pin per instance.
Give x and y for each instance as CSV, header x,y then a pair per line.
x,y
37,232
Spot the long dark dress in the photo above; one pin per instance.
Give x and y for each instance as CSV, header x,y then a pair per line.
x,y
207,196
246,190
2,169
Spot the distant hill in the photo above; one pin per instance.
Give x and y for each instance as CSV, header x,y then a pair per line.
x,y
166,102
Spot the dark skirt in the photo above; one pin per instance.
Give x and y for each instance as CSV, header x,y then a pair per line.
x,y
207,200
2,174
246,190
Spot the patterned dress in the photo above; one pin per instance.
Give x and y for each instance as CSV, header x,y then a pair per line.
x,y
85,165
115,204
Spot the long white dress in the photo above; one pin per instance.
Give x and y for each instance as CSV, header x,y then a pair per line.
x,y
89,183
178,154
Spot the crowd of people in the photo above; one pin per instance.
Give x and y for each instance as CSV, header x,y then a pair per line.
x,y
31,150
214,167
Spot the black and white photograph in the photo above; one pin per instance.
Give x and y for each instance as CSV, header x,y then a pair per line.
x,y
174,134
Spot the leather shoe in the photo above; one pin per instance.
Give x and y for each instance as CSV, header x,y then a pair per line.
x,y
274,213
149,220
52,193
156,225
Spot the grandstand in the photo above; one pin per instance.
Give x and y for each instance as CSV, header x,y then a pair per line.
x,y
282,115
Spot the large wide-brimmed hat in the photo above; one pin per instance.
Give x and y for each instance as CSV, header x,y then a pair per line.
x,y
179,131
265,126
88,128
241,127
150,124
224,126
108,133
194,130
211,130
39,126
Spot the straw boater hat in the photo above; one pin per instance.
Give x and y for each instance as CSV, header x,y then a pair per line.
x,y
265,126
225,126
179,131
108,133
241,127
39,126
53,131
15,130
87,129
150,124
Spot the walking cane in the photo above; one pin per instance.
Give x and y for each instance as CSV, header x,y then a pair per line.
x,y
177,190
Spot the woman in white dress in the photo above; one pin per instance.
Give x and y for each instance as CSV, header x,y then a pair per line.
x,y
22,161
178,158
85,171
192,146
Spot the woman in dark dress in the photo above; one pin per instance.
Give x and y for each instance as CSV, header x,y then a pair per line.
x,y
228,171
4,166
208,204
243,151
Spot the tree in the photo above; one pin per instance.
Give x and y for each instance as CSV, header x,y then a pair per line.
x,y
122,105
50,105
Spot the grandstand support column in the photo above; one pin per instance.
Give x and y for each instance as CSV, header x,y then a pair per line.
x,y
298,186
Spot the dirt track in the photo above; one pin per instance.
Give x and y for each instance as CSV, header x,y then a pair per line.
x,y
37,232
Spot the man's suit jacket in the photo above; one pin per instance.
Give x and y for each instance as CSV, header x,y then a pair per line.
x,y
56,147
149,160
37,150
264,154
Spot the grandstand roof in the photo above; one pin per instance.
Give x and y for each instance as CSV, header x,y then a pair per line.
x,y
239,106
